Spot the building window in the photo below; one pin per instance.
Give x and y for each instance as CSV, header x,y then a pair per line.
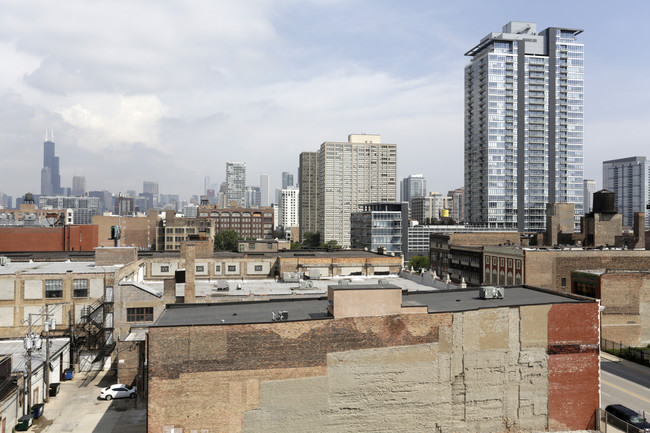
x,y
143,314
269,246
80,288
563,282
258,268
232,268
251,246
164,269
217,268
54,288
199,269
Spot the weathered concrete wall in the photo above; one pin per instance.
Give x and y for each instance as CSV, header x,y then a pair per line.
x,y
491,370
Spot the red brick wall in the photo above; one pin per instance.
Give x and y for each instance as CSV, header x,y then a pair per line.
x,y
67,238
573,365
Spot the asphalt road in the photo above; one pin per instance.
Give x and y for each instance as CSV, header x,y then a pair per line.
x,y
625,383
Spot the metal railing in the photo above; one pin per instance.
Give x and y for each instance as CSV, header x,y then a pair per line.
x,y
609,423
622,351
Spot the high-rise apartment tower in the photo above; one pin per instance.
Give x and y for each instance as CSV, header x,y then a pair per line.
x,y
359,171
236,181
308,197
523,126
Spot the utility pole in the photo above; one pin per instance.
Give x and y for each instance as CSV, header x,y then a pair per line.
x,y
49,324
46,367
28,345
32,341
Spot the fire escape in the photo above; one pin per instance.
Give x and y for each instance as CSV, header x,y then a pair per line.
x,y
95,331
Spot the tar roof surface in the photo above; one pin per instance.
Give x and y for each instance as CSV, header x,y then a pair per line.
x,y
313,309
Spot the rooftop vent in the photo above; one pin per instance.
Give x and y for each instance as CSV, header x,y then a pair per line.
x,y
490,292
280,316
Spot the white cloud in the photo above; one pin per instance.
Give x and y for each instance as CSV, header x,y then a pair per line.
x,y
116,120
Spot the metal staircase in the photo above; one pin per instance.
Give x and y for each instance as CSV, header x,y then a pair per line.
x,y
95,330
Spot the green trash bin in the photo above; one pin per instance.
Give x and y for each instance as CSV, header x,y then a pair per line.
x,y
24,422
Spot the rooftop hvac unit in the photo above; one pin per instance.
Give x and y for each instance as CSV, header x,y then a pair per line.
x,y
382,281
4,260
306,285
345,282
490,292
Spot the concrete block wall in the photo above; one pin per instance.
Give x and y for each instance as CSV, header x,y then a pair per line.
x,y
491,370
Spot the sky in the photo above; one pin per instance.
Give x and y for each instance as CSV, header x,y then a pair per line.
x,y
169,91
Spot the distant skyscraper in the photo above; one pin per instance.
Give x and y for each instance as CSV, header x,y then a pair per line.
x,y
265,190
308,207
253,196
287,179
359,171
413,186
236,180
151,187
206,185
588,192
523,126
50,176
78,186
629,178
457,211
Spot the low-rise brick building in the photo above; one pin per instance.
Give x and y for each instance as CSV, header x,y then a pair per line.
x,y
551,267
375,359
624,296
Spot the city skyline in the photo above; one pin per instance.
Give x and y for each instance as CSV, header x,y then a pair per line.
x,y
151,99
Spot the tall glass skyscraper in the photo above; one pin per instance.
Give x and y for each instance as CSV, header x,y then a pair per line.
x,y
523,126
629,178
50,176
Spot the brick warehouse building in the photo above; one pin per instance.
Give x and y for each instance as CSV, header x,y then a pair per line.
x,y
62,238
382,360
551,268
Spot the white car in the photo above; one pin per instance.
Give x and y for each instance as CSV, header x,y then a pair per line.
x,y
118,390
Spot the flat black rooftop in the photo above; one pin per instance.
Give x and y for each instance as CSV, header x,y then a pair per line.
x,y
315,309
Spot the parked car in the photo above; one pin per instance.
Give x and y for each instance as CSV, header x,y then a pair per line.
x,y
623,417
118,390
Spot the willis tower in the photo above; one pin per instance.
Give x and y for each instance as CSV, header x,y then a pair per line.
x,y
50,177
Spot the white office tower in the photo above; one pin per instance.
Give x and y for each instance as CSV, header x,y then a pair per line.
x,y
236,183
359,171
523,126
629,178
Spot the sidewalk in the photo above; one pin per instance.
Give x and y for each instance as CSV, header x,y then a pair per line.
x,y
77,409
604,356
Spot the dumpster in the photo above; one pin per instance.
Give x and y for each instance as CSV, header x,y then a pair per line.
x,y
68,373
37,410
24,422
54,389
